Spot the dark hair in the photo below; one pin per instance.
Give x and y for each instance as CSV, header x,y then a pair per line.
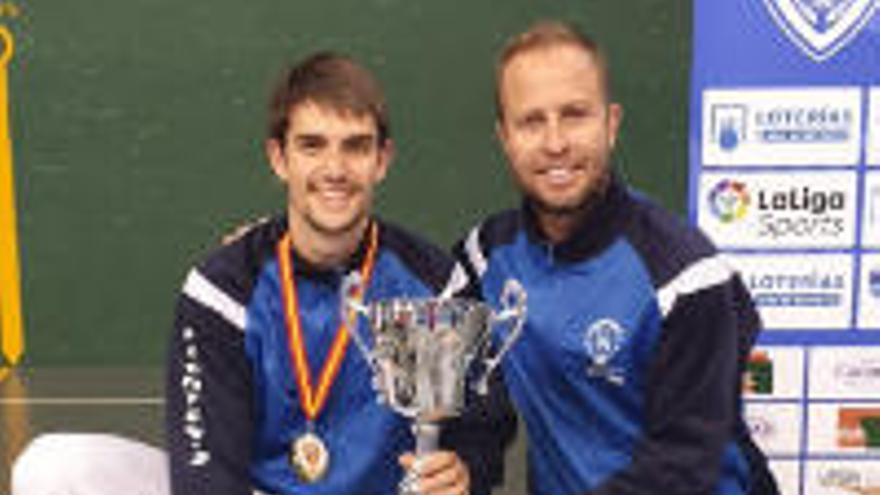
x,y
545,34
329,79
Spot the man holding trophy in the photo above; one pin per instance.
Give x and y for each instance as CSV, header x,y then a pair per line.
x,y
264,394
284,404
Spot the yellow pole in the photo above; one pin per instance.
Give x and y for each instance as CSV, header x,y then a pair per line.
x,y
10,284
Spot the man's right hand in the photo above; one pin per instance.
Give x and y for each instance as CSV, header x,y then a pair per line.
x,y
438,473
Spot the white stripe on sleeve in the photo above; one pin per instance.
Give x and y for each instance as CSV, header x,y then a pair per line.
x,y
703,274
203,291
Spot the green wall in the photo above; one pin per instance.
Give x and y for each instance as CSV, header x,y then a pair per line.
x,y
137,128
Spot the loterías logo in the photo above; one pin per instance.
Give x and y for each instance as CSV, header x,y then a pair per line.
x,y
820,28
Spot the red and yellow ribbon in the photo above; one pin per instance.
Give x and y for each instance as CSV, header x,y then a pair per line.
x,y
312,400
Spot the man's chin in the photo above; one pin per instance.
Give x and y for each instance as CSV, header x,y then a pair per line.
x,y
337,226
570,204
558,207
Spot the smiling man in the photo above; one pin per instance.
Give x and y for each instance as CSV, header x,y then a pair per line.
x,y
283,404
628,369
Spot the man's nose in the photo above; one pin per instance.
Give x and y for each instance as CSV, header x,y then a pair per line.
x,y
335,163
555,138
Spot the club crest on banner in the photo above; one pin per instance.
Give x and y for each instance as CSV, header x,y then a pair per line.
x,y
820,28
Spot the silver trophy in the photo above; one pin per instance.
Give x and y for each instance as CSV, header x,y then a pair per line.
x,y
421,351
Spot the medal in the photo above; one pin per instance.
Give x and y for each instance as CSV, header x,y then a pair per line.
x,y
309,457
309,454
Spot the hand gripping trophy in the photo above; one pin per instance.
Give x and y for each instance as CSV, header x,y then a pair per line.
x,y
421,351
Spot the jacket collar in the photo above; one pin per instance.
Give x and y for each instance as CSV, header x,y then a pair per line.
x,y
598,228
303,267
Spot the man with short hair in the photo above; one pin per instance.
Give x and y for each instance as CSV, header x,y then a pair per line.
x,y
258,326
627,374
264,392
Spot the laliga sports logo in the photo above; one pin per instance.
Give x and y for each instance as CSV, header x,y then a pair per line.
x,y
729,200
820,28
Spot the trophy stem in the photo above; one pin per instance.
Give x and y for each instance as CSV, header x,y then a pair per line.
x,y
427,439
427,436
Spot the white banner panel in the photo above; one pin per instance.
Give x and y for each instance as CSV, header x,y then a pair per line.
x,y
846,372
851,428
871,210
873,146
787,475
776,428
799,291
842,478
782,126
774,209
775,373
869,293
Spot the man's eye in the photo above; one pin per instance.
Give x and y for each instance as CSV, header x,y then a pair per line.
x,y
575,113
531,121
359,146
310,146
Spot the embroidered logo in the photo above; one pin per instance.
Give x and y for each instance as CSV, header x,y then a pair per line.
x,y
820,28
603,340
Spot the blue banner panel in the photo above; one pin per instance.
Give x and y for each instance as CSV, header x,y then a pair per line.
x,y
785,177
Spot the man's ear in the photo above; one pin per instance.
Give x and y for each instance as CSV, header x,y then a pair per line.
x,y
615,118
275,155
387,152
501,134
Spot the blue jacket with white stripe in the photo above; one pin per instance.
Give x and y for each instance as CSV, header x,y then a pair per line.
x,y
627,374
233,407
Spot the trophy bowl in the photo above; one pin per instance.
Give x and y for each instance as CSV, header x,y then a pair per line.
x,y
425,352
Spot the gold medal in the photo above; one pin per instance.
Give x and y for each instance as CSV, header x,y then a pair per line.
x,y
309,457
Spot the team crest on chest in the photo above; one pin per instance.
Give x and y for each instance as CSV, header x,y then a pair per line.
x,y
603,341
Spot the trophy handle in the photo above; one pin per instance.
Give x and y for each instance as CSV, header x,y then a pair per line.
x,y
513,307
349,309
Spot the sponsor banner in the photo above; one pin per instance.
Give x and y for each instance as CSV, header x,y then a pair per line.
x,y
845,372
774,373
871,210
775,427
873,146
842,477
784,130
778,210
787,474
869,292
790,126
801,291
844,428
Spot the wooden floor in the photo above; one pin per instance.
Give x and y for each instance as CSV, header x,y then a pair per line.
x,y
124,401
